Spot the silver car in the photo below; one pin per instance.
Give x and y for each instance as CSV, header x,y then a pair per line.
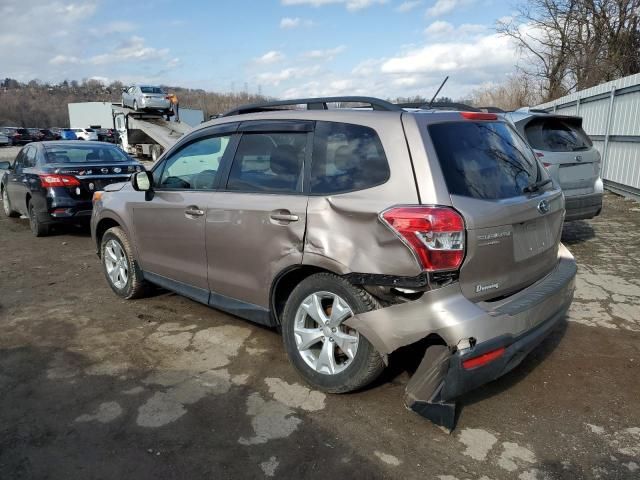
x,y
145,97
568,155
4,140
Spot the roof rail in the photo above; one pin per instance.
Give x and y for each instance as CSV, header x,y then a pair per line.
x,y
319,103
463,107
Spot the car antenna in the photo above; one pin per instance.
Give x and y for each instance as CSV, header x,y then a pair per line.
x,y
438,91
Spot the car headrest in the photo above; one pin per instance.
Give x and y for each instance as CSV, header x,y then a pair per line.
x,y
344,158
284,160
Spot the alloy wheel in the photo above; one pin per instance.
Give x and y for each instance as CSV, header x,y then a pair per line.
x,y
115,261
324,342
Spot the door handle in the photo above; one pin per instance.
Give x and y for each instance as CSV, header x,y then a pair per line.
x,y
284,217
194,211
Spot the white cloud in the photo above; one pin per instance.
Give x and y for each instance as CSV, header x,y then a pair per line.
x,y
133,49
442,7
64,59
327,54
276,78
57,40
493,53
270,57
439,27
351,5
288,22
409,5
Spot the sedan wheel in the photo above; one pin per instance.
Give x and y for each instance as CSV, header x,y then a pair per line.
x,y
116,264
6,206
135,106
38,228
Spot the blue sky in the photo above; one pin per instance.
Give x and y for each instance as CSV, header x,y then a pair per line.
x,y
284,48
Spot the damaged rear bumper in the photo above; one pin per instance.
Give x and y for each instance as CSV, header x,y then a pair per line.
x,y
516,324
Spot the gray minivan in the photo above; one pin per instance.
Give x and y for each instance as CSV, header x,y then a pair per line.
x,y
356,232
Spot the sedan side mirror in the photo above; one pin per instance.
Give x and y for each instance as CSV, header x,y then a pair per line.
x,y
142,182
5,165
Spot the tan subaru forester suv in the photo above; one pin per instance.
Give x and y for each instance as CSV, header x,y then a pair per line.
x,y
355,231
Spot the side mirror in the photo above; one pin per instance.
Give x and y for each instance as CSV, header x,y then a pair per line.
x,y
141,182
124,89
5,165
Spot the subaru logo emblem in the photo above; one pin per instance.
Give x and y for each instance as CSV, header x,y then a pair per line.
x,y
543,207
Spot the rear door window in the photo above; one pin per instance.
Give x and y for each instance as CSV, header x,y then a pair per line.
x,y
346,158
485,160
556,135
269,162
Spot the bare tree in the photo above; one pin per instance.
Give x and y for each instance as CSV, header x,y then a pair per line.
x,y
517,91
569,45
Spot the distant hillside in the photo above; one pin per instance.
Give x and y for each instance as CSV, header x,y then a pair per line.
x,y
35,104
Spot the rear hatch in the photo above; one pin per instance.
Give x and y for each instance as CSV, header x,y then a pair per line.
x,y
565,148
512,236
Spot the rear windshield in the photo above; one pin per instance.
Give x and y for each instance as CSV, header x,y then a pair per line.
x,y
157,90
483,159
80,154
556,135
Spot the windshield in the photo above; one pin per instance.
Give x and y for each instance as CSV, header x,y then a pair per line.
x,y
485,160
157,90
85,154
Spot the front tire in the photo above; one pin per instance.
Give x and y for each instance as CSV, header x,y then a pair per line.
x,y
120,266
38,228
135,106
329,355
6,205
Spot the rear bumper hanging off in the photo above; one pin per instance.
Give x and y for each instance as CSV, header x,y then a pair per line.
x,y
509,329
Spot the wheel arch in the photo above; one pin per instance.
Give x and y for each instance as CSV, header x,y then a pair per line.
x,y
104,224
285,282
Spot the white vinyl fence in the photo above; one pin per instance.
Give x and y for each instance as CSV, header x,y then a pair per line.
x,y
611,117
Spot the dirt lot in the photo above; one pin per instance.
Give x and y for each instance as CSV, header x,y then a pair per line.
x,y
95,387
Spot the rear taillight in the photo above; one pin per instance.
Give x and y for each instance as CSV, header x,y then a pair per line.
x,y
435,234
56,180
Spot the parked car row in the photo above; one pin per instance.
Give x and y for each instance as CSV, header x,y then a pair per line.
x,y
321,223
21,136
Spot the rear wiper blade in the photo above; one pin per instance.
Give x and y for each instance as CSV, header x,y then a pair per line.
x,y
536,186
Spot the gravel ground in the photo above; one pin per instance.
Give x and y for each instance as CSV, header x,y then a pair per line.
x,y
95,387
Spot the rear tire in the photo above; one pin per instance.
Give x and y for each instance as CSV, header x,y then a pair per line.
x,y
344,372
38,228
120,266
6,205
